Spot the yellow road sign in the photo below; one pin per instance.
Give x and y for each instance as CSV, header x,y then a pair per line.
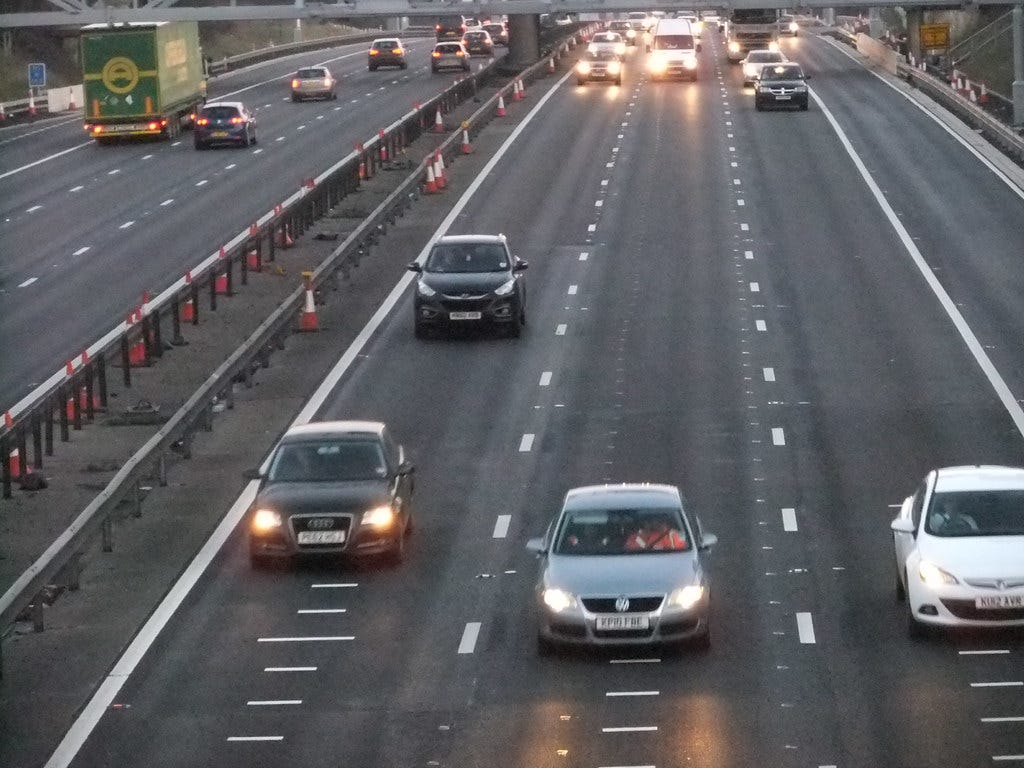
x,y
935,35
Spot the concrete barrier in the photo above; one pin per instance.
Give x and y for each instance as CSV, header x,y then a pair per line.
x,y
64,99
880,53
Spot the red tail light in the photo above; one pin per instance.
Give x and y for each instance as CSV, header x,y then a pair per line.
x,y
374,52
295,83
203,121
396,51
154,126
459,53
437,28
237,120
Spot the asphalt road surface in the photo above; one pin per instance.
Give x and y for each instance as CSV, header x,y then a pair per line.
x,y
717,299
86,232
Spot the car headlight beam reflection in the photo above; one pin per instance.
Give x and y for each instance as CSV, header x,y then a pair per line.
x,y
266,520
934,576
558,600
686,597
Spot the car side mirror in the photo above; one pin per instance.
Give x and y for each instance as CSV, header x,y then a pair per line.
x,y
698,47
520,266
807,77
252,474
538,546
406,468
903,525
707,541
415,267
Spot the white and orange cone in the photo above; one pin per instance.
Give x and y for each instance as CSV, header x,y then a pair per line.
x,y
516,93
307,318
466,146
439,171
430,187
522,89
438,122
3,113
188,310
31,102
501,106
984,94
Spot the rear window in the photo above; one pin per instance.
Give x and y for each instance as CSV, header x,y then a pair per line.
x,y
220,113
450,48
673,42
310,74
492,28
380,44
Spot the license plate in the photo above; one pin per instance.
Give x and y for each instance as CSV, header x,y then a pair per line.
x,y
626,621
321,537
783,98
999,601
219,134
463,315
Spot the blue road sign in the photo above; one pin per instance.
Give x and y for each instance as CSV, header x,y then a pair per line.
x,y
36,75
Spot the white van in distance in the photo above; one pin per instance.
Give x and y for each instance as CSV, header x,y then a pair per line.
x,y
672,50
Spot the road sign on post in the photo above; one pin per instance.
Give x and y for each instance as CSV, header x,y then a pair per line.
x,y
36,75
934,36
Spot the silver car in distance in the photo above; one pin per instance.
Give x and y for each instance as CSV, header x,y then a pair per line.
x,y
621,565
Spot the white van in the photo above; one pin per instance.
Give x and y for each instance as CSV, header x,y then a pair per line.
x,y
672,50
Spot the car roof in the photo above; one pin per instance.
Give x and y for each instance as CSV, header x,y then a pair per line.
x,y
470,239
981,477
630,494
386,40
235,104
334,429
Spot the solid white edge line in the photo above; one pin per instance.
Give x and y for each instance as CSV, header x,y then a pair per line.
x,y
290,669
1002,719
634,661
469,636
343,585
760,325
108,689
309,639
526,443
501,526
28,282
992,652
255,738
632,693
973,345
630,729
274,703
317,611
999,684
41,160
805,628
789,519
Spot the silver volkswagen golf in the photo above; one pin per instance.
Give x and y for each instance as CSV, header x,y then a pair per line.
x,y
621,564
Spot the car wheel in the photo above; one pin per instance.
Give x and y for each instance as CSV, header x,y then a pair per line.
x,y
515,330
396,554
901,591
545,647
434,70
581,81
702,642
295,97
259,562
803,107
372,69
254,139
334,96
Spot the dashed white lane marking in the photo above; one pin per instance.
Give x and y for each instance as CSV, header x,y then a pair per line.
x,y
1007,758
805,628
229,166
255,738
736,182
560,330
732,149
788,519
591,227
256,151
28,282
633,693
609,165
769,374
279,138
526,443
630,729
999,684
734,164
745,227
167,202
79,188
760,325
114,172
33,209
740,201
599,203
634,661
274,703
1002,719
147,157
126,225
748,254
991,652
755,287
335,585
80,251
320,639
778,436
545,378
501,526
584,256
604,182
311,611
573,289
469,636
302,128
290,669
176,144
201,183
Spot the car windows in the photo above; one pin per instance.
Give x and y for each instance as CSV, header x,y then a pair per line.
x,y
673,42
311,74
782,73
220,113
976,513
388,44
450,48
621,532
328,461
918,504
467,257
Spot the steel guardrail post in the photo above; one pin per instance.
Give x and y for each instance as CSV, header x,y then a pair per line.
x,y
147,340
48,426
243,266
107,533
22,452
126,366
177,339
65,434
90,406
158,341
37,442
5,455
213,291
101,379
229,272
76,405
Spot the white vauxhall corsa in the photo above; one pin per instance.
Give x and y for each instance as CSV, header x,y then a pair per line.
x,y
959,544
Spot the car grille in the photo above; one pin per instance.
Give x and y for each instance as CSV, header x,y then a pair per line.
x,y
472,304
636,604
964,609
781,91
312,522
623,634
1008,583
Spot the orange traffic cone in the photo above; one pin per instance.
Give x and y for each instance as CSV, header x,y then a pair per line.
x,y
516,95
383,146
284,238
137,351
307,318
3,114
439,174
69,369
438,122
501,106
522,89
220,282
31,102
973,96
8,421
253,260
551,66
430,187
14,461
984,94
466,147
188,310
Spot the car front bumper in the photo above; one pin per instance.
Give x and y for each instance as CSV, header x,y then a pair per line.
x,y
458,314
579,627
954,605
282,542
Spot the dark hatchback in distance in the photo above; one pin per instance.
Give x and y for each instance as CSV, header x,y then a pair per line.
x,y
224,122
333,489
470,280
781,85
477,42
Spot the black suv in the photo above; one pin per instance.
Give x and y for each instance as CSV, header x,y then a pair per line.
x,y
780,85
470,280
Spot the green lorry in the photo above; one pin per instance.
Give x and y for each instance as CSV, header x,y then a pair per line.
x,y
141,79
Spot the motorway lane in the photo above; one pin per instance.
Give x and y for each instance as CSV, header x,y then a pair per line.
x,y
662,370
131,202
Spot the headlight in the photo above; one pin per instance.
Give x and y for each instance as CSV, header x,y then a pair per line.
x,y
425,290
734,47
687,597
266,520
794,27
657,65
379,517
934,576
773,46
583,67
614,67
749,70
631,33
558,600
505,288
591,48
690,63
763,89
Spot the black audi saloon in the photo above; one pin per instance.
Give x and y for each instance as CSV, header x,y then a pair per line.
x,y
470,280
332,488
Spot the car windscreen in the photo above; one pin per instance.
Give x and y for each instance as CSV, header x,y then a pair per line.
x,y
327,461
763,57
607,37
219,113
619,25
310,74
621,532
976,513
476,37
673,43
782,73
467,257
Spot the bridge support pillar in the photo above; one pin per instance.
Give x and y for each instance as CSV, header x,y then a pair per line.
x,y
523,40
915,17
1018,64
875,25
829,17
